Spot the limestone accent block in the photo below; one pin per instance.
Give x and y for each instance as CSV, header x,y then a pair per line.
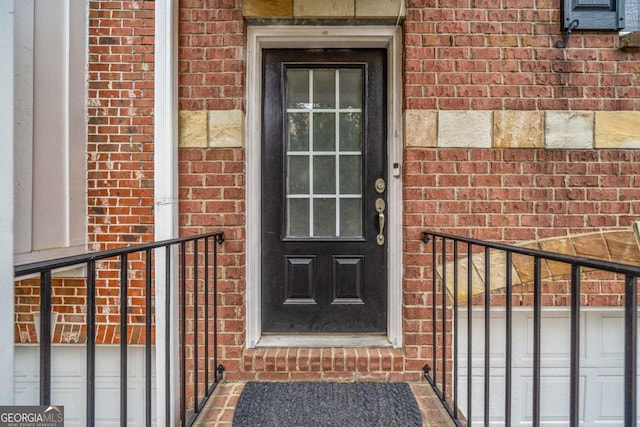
x,y
465,129
621,246
562,245
421,128
569,129
477,281
340,9
617,129
192,129
591,246
379,9
523,263
630,41
518,129
226,128
267,8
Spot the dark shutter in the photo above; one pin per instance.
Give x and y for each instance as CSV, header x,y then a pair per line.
x,y
632,17
594,14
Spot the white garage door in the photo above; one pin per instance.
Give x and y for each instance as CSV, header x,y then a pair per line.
x,y
601,367
68,382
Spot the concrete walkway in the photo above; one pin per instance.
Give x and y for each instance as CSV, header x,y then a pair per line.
x,y
220,407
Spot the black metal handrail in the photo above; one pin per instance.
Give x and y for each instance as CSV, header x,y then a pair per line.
x,y
436,372
149,251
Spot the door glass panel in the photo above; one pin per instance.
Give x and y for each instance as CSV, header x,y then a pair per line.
x,y
298,89
324,131
298,175
350,218
324,152
351,88
350,131
324,217
324,175
298,132
298,225
324,88
350,175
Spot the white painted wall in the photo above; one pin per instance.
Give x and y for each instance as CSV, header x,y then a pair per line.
x,y
6,201
50,59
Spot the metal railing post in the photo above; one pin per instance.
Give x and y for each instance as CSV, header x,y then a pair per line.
x,y
45,337
91,343
630,350
147,339
578,267
574,381
45,268
124,271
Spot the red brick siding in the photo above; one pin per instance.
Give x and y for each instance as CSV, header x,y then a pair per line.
x,y
501,55
513,196
212,198
69,300
120,110
211,55
120,151
519,194
211,62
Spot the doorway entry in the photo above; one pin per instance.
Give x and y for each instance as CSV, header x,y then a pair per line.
x,y
324,191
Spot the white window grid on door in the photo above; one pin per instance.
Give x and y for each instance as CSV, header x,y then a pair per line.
x,y
312,154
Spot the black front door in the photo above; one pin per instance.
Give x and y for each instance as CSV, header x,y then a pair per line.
x,y
323,191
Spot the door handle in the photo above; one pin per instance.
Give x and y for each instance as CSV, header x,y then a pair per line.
x,y
380,207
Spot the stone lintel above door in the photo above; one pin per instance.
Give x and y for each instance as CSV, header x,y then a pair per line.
x,y
332,9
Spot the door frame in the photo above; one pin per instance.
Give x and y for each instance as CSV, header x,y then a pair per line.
x,y
279,36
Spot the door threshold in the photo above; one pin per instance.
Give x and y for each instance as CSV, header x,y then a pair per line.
x,y
323,340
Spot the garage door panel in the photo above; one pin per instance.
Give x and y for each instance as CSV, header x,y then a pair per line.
x,y
605,343
496,403
496,336
554,347
601,366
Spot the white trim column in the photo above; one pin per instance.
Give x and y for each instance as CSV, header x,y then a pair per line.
x,y
165,157
6,201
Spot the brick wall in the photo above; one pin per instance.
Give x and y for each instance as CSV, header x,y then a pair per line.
x,y
501,55
120,110
120,145
211,181
211,55
519,195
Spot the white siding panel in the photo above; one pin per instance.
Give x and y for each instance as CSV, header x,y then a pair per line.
x,y
68,382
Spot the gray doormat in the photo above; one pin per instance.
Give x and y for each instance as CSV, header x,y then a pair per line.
x,y
266,404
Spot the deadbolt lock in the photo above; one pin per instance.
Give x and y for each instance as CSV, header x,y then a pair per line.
x,y
380,185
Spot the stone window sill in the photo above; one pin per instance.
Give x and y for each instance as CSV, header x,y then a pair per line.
x,y
630,40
